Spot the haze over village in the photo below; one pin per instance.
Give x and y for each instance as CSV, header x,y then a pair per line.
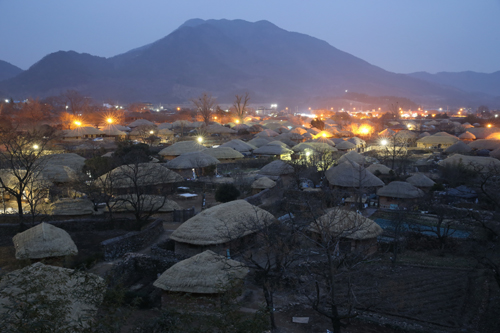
x,y
240,173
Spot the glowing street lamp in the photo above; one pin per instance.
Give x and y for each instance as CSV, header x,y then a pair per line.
x,y
109,120
78,123
237,121
489,125
151,132
384,142
200,139
35,147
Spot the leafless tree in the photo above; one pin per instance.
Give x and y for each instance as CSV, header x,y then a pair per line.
x,y
394,150
205,105
146,133
21,156
240,106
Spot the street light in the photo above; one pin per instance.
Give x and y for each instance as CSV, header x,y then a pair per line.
x,y
384,142
109,120
151,132
200,139
78,123
35,146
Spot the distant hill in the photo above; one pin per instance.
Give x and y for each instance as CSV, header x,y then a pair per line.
x,y
225,58
8,70
466,81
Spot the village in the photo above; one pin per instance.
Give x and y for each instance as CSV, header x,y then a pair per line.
x,y
249,219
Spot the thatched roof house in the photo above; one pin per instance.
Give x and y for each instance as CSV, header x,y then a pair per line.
x,y
398,194
276,168
345,146
467,136
191,160
495,153
485,144
58,173
71,207
379,168
352,175
74,161
180,148
439,141
141,122
84,132
215,228
357,233
216,128
386,133
241,146
476,163
113,130
223,154
43,241
260,141
353,157
273,150
142,174
482,132
267,133
204,273
420,180
458,147
79,294
262,184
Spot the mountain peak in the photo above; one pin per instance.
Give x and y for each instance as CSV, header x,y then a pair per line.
x,y
192,23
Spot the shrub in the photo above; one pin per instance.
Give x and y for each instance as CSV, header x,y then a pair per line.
x,y
226,193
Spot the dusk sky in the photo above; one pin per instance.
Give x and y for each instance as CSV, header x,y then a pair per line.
x,y
397,35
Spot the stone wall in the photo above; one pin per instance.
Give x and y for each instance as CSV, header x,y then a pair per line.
x,y
133,241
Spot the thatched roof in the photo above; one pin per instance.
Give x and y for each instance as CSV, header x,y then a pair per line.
x,y
123,203
165,132
384,170
495,153
342,223
272,150
278,143
276,168
181,123
68,206
43,241
424,134
74,161
482,132
113,130
197,159
344,145
238,145
141,122
259,142
420,180
298,130
81,131
357,141
240,127
58,173
353,157
222,223
263,183
485,144
267,133
401,190
458,147
436,140
216,128
386,133
467,136
223,153
165,126
477,163
181,147
204,273
143,174
493,136
80,292
351,174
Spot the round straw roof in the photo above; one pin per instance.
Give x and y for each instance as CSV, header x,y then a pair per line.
x,y
342,223
467,136
267,133
181,147
43,241
458,147
69,206
204,273
276,168
353,157
485,144
263,183
260,141
345,145
123,203
81,131
351,174
272,150
222,223
239,145
222,153
197,159
384,170
141,122
401,190
420,180
143,174
477,163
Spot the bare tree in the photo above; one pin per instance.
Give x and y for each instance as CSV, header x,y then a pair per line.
x,y
21,155
394,150
205,106
240,106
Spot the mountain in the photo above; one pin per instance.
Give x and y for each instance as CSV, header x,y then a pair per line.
x,y
466,81
8,70
227,57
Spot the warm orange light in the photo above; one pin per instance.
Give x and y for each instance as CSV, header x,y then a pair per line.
x,y
489,125
78,123
215,117
151,132
324,135
178,108
237,121
433,115
109,120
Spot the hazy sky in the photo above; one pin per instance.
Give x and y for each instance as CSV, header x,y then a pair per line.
x,y
398,35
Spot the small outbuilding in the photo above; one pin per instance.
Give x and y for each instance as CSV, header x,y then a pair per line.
x,y
398,195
